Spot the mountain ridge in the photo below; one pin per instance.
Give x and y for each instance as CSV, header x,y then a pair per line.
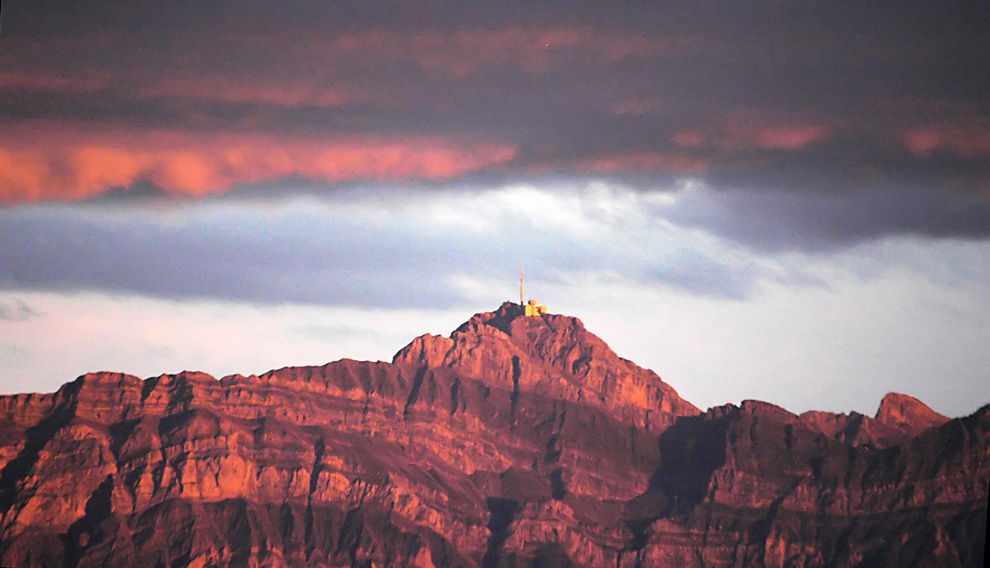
x,y
515,441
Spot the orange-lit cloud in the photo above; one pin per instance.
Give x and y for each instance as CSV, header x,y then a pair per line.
x,y
967,143
737,137
790,137
84,165
689,139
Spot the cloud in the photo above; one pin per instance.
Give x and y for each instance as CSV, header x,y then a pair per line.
x,y
16,310
88,164
819,209
372,246
817,129
364,247
965,142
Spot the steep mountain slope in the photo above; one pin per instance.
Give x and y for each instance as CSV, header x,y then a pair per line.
x,y
517,441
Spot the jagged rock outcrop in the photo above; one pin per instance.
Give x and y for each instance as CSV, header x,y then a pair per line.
x,y
516,441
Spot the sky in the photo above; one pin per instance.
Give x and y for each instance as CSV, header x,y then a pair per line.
x,y
780,200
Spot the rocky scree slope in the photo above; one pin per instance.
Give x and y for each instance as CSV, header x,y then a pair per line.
x,y
514,442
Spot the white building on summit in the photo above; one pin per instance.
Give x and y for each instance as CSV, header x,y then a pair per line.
x,y
530,308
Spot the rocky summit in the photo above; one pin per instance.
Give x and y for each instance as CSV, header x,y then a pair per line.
x,y
516,441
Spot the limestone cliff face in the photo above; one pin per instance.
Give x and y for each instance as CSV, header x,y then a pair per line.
x,y
517,441
760,487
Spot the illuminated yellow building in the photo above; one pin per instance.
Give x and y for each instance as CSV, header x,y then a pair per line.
x,y
534,309
531,308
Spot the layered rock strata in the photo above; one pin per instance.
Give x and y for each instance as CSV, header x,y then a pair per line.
x,y
516,441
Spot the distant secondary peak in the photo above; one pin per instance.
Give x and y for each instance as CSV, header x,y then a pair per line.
x,y
907,413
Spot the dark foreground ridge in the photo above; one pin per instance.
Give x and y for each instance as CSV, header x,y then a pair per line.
x,y
517,441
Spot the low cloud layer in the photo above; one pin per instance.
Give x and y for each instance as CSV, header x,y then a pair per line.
x,y
780,220
356,251
361,250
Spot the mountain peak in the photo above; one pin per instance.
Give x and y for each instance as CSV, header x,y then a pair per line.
x,y
550,354
907,414
510,313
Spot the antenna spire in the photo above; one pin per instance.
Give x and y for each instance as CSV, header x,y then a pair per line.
x,y
522,293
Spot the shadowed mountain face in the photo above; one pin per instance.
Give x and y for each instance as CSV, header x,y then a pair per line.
x,y
516,441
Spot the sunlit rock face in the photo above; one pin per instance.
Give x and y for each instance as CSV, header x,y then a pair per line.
x,y
516,441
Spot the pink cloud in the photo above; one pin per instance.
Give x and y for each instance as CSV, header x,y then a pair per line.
x,y
85,164
645,162
745,135
790,137
966,142
689,139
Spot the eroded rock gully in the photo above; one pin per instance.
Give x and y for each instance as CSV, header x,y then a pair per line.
x,y
514,442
